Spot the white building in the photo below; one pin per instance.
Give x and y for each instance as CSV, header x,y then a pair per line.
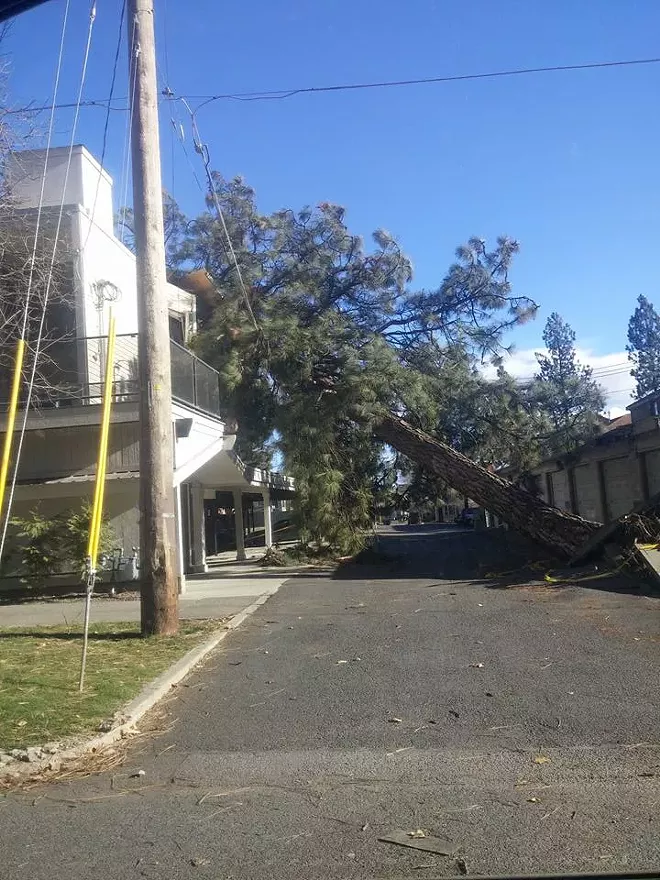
x,y
59,454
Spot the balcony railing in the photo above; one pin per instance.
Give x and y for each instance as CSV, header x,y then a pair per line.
x,y
71,373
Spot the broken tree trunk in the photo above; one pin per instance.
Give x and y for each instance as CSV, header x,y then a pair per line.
x,y
560,532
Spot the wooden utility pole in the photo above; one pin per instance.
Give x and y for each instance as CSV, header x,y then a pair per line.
x,y
159,597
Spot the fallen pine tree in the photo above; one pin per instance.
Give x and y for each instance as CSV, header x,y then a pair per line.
x,y
562,533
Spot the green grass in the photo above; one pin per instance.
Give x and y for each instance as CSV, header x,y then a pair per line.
x,y
39,669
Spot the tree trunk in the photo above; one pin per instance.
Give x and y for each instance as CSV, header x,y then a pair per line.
x,y
563,533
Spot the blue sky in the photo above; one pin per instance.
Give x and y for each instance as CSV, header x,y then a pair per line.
x,y
567,163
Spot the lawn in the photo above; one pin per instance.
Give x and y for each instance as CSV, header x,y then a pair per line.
x,y
39,669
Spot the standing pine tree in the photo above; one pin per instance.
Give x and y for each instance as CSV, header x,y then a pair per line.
x,y
644,347
565,389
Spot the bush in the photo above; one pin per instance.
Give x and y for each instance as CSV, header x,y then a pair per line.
x,y
49,545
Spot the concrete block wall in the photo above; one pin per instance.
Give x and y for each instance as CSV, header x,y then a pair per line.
x,y
560,491
587,491
653,470
622,483
621,476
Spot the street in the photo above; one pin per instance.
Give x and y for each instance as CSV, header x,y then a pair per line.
x,y
518,721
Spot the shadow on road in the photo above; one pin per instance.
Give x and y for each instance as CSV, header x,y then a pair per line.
x,y
497,558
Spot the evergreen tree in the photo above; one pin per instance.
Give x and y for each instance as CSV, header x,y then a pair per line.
x,y
324,335
644,347
565,390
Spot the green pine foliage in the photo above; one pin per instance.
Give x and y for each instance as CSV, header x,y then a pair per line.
x,y
566,391
644,347
326,333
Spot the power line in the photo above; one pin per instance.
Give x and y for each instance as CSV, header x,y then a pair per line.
x,y
133,51
281,94
463,77
44,306
106,125
202,149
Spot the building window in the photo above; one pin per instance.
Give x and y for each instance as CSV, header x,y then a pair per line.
x,y
177,329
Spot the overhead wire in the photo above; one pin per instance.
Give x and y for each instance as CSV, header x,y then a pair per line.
x,y
37,347
166,58
19,361
49,140
281,94
106,125
133,51
202,149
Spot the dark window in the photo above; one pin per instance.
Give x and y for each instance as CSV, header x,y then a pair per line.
x,y
176,329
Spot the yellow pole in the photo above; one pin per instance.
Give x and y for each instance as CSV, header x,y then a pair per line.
x,y
99,492
11,419
99,489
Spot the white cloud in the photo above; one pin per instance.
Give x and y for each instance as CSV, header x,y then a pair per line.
x,y
611,371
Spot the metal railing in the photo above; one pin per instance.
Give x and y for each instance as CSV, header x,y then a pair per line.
x,y
70,373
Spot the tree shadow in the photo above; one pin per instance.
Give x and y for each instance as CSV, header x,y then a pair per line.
x,y
497,559
68,636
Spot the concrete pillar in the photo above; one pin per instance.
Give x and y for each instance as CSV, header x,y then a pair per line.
x,y
238,524
180,557
197,529
268,518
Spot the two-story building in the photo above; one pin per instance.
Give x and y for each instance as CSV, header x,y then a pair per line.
x,y
58,462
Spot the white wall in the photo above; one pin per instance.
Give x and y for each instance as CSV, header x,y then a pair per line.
x,y
204,441
103,262
87,184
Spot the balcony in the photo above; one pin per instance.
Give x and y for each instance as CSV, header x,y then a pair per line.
x,y
71,373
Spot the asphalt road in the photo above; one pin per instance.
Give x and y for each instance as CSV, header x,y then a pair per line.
x,y
517,720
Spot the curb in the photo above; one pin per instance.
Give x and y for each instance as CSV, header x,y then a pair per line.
x,y
138,707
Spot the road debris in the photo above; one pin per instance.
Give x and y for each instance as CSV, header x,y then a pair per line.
x,y
476,665
138,774
454,713
461,867
395,720
341,662
418,834
429,843
541,759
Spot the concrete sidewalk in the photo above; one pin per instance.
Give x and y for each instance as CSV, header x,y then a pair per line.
x,y
222,592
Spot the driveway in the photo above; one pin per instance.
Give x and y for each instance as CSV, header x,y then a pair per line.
x,y
517,720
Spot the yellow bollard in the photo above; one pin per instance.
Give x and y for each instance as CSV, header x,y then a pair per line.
x,y
11,419
99,492
101,467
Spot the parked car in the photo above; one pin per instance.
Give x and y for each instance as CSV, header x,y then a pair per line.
x,y
467,517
